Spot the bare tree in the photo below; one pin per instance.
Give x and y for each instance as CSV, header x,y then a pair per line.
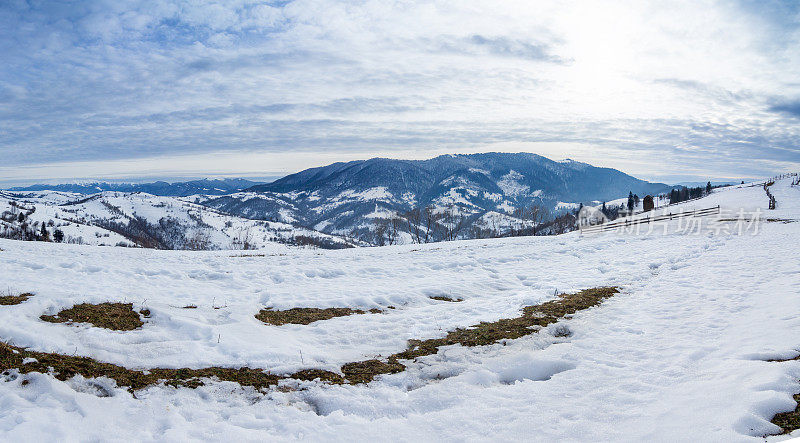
x,y
244,239
536,214
381,228
395,228
200,241
517,226
414,223
452,222
429,220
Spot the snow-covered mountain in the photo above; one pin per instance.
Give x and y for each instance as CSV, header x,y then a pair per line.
x,y
348,198
177,189
139,219
377,201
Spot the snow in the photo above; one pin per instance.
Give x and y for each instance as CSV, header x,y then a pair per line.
x,y
380,193
507,207
510,184
79,218
679,355
566,206
457,196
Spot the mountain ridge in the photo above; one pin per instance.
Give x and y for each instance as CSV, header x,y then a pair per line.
x,y
351,198
162,188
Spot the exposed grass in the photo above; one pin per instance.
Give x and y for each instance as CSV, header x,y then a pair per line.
x,y
445,298
190,307
114,316
65,367
365,371
789,421
532,319
304,316
784,359
8,300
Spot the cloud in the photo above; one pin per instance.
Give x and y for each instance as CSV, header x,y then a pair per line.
x,y
143,79
791,108
475,45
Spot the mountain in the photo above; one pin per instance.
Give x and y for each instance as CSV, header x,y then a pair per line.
x,y
177,189
515,175
144,220
376,201
352,198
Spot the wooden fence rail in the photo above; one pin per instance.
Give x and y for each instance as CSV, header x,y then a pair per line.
x,y
645,220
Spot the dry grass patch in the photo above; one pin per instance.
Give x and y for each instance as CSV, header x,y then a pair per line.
x,y
365,371
65,367
114,316
789,421
8,300
445,298
304,316
532,319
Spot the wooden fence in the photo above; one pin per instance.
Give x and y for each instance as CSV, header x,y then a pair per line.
x,y
628,222
769,195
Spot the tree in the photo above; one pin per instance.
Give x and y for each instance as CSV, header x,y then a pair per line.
x,y
396,227
44,235
452,222
58,235
414,222
536,214
429,221
21,217
517,226
630,201
708,188
381,226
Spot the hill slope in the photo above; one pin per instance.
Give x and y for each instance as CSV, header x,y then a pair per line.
x,y
139,219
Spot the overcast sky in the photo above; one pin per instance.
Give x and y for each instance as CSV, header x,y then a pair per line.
x,y
662,90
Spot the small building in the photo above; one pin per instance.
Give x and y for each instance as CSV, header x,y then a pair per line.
x,y
647,203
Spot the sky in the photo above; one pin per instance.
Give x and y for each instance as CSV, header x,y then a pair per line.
x,y
662,90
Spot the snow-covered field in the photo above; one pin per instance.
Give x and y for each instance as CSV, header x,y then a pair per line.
x,y
679,355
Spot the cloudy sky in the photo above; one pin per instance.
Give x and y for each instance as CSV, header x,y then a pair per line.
x,y
662,90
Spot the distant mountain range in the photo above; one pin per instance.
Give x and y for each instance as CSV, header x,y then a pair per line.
x,y
178,189
352,199
347,198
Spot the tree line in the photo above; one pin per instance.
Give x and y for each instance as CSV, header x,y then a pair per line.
x,y
430,224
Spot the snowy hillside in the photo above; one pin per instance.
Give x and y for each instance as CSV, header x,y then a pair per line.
x,y
700,343
138,219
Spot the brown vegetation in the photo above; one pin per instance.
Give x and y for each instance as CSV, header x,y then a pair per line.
x,y
114,316
64,367
7,300
304,316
